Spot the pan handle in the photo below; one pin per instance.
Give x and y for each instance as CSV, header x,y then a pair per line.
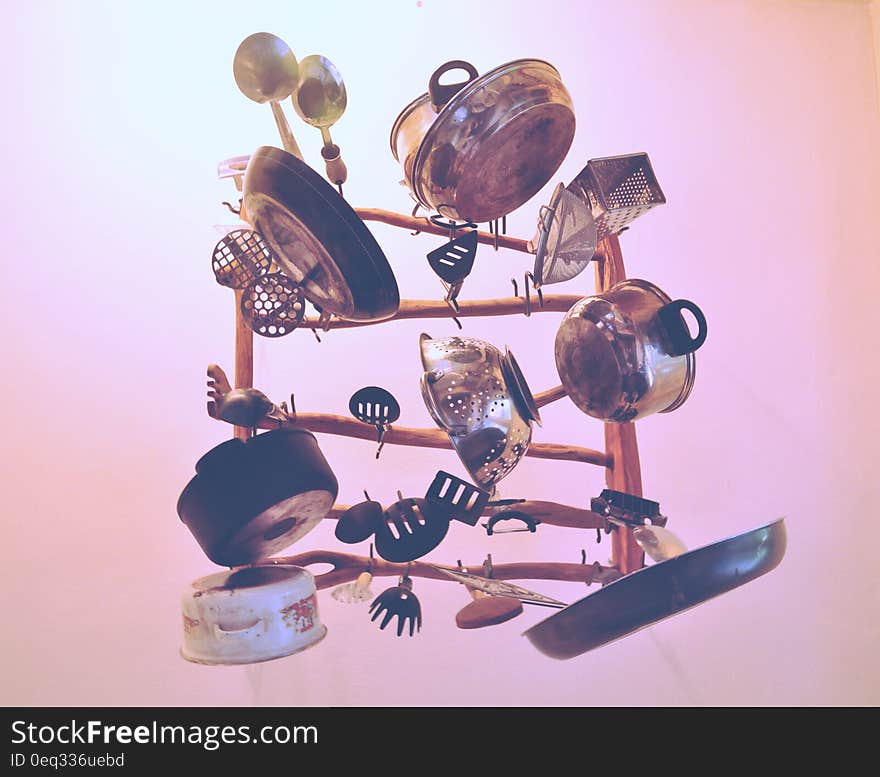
x,y
678,334
443,93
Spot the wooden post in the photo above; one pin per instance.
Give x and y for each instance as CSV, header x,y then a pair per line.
x,y
244,352
625,473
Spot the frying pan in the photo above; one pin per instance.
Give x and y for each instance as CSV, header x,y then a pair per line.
x,y
649,595
318,239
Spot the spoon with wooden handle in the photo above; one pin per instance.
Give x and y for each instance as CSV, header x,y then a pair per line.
x,y
320,100
487,610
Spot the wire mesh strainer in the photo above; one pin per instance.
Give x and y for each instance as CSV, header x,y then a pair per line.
x,y
566,238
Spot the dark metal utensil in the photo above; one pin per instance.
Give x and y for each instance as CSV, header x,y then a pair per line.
x,y
400,601
410,528
240,258
453,262
622,508
273,305
463,501
358,522
375,406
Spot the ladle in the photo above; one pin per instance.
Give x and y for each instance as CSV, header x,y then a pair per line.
x,y
320,100
266,70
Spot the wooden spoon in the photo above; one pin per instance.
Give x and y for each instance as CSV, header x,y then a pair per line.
x,y
487,610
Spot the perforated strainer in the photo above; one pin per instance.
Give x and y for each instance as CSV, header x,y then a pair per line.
x,y
273,305
241,257
618,190
478,396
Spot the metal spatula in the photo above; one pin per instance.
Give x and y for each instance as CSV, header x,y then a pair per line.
x,y
454,261
273,305
463,501
375,406
241,257
410,528
618,189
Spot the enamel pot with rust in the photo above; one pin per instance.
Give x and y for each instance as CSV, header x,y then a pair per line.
x,y
249,615
627,353
250,500
480,148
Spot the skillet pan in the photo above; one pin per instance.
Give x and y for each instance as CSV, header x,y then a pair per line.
x,y
653,593
318,239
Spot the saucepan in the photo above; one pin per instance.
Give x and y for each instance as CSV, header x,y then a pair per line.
x,y
480,148
628,352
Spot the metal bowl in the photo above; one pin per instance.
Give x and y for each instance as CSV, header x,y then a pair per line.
x,y
478,396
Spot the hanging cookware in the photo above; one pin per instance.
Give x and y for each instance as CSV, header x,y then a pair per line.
x,y
239,258
320,100
375,406
273,305
399,601
494,587
627,353
479,149
249,500
453,262
317,239
409,528
617,189
566,238
479,397
486,610
248,615
359,522
653,593
461,500
266,70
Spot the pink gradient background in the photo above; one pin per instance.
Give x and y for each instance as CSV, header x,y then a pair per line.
x,y
761,120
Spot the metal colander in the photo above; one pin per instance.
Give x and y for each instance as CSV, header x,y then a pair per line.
x,y
618,190
477,395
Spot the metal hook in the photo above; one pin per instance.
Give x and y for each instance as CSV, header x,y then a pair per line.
x,y
380,429
292,411
236,211
487,566
598,536
583,556
317,336
515,287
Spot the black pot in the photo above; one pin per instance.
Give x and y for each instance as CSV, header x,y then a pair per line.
x,y
318,239
250,500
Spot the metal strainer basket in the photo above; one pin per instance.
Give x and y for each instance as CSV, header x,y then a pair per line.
x,y
618,189
478,396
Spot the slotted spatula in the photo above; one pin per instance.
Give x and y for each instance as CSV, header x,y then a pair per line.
x,y
454,261
462,501
410,528
375,406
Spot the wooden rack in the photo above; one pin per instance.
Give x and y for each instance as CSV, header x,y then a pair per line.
x,y
620,459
